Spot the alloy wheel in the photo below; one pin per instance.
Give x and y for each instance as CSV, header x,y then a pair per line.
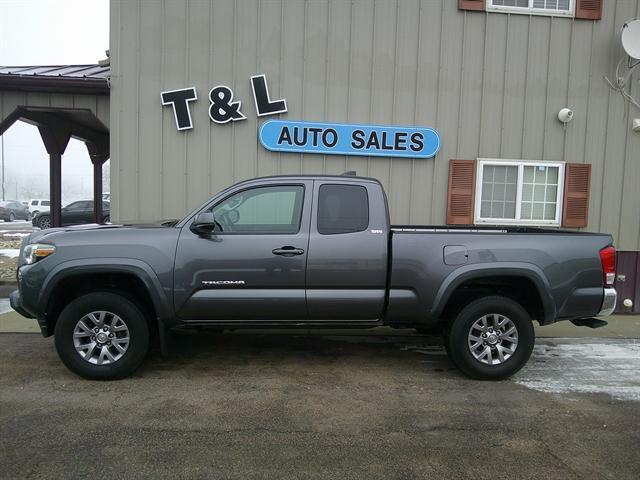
x,y
101,337
493,339
44,223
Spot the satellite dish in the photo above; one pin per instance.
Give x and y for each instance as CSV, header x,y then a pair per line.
x,y
631,38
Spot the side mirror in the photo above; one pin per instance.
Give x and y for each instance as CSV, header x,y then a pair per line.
x,y
204,223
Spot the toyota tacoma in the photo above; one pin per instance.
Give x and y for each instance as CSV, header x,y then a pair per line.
x,y
308,252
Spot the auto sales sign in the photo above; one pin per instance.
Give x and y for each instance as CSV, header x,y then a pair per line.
x,y
343,139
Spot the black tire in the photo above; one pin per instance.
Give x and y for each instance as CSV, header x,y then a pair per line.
x,y
131,315
457,338
12,217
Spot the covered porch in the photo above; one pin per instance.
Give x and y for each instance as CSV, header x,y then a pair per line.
x,y
62,102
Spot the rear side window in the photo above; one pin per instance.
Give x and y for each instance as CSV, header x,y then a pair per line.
x,y
342,209
45,203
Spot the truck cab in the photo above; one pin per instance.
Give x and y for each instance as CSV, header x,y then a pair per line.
x,y
293,249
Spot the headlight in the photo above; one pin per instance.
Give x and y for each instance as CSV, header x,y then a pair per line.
x,y
37,251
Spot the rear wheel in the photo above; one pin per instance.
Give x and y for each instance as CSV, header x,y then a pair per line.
x,y
44,222
12,217
491,338
102,336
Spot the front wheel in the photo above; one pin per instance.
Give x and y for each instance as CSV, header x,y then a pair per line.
x,y
491,338
102,336
12,217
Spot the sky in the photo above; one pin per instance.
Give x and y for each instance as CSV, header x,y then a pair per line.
x,y
49,32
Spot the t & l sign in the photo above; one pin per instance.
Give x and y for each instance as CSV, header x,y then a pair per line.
x,y
222,106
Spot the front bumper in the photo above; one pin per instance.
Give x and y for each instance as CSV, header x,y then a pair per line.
x,y
16,303
608,302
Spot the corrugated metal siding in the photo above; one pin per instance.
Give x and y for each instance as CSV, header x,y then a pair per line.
x,y
490,83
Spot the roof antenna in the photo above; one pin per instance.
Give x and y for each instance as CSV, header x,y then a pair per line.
x,y
350,173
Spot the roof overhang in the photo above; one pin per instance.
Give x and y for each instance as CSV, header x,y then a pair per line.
x,y
33,83
92,79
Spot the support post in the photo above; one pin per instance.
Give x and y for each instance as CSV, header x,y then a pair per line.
x,y
55,188
55,138
97,191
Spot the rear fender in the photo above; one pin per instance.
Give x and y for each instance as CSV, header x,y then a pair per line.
x,y
510,269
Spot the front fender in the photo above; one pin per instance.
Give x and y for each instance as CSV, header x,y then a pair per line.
x,y
480,270
136,267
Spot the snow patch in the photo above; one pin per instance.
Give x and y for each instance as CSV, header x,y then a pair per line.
x,y
603,367
10,252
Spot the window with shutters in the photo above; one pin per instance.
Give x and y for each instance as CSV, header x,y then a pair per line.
x,y
533,7
519,192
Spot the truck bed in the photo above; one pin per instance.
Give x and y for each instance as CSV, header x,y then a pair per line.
x,y
428,263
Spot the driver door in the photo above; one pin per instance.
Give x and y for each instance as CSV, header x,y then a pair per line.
x,y
252,266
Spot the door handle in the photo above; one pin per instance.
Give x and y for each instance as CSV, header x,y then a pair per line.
x,y
287,251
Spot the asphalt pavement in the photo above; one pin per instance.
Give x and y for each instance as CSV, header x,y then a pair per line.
x,y
322,406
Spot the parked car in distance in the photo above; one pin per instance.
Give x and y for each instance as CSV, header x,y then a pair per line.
x,y
76,213
303,252
38,205
11,210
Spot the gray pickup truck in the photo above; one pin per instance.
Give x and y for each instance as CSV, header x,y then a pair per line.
x,y
309,252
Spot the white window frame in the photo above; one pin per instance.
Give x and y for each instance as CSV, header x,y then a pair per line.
x,y
556,222
533,11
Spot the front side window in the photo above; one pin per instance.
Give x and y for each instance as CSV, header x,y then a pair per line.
x,y
519,192
34,202
262,210
540,7
342,209
79,206
75,206
45,203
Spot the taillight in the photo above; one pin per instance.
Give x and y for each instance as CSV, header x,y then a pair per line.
x,y
608,259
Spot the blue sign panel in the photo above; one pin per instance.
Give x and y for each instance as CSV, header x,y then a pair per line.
x,y
341,139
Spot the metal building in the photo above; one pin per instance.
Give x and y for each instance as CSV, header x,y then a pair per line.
x,y
490,82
